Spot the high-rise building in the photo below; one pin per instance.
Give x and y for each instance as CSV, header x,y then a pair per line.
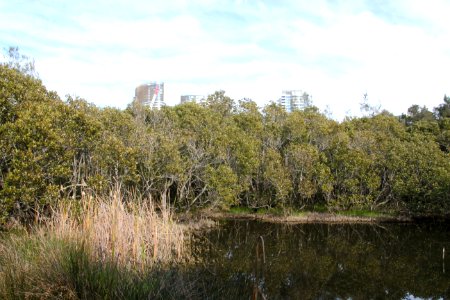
x,y
192,98
150,94
294,99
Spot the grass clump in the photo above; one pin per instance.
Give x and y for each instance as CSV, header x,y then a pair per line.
x,y
101,248
320,208
273,211
239,210
361,213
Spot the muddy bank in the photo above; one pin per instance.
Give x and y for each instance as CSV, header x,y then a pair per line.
x,y
307,217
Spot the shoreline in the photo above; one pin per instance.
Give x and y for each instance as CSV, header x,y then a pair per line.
x,y
316,217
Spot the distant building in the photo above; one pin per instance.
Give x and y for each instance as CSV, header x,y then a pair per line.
x,y
192,98
294,100
150,94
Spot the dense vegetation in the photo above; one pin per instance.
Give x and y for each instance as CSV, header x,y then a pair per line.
x,y
97,248
218,154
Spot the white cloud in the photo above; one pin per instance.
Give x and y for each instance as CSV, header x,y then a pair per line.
x,y
398,54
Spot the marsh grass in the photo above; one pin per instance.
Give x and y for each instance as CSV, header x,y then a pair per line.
x,y
130,234
97,248
362,213
238,210
272,211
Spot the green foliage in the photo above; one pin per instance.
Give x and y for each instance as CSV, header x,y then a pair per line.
x,y
240,210
224,185
219,153
361,213
19,62
48,267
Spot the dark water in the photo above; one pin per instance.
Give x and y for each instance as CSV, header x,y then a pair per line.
x,y
252,260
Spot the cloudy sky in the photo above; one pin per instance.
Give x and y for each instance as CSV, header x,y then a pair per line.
x,y
398,52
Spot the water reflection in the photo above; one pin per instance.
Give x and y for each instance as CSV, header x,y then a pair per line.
x,y
251,260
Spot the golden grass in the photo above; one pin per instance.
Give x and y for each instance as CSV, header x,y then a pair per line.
x,y
96,246
129,234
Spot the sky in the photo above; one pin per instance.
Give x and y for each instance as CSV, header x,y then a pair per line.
x,y
396,52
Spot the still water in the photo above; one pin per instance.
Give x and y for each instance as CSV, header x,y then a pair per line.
x,y
254,260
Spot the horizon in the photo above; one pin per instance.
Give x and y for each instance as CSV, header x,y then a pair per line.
x,y
396,53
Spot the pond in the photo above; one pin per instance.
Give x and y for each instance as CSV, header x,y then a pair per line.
x,y
254,260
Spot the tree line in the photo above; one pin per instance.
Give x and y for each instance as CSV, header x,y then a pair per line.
x,y
218,154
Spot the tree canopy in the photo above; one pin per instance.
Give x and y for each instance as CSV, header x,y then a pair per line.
x,y
218,154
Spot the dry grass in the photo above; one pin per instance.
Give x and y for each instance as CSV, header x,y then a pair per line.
x,y
95,248
310,217
131,233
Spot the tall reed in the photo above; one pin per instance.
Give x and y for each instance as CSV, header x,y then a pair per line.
x,y
95,248
129,232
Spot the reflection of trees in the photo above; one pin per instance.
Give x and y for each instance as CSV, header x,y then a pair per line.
x,y
326,261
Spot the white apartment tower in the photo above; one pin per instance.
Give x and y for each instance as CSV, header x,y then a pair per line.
x,y
294,100
192,98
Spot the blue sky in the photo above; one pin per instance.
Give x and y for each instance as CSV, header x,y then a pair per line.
x,y
398,52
